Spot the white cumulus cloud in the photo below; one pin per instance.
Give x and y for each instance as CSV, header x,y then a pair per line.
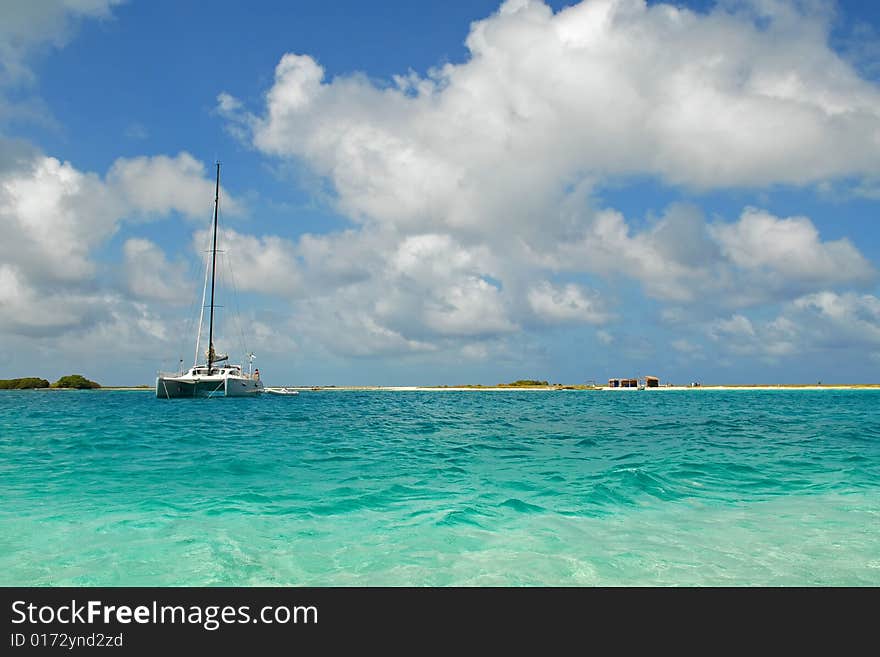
x,y
823,322
791,248
150,275
473,186
25,24
155,186
566,303
605,87
55,217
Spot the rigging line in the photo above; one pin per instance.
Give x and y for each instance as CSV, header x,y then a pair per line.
x,y
227,267
223,326
191,311
201,317
196,266
236,310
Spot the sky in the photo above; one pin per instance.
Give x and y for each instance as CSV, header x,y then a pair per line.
x,y
443,193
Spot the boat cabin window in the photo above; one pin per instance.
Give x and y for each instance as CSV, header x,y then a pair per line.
x,y
232,369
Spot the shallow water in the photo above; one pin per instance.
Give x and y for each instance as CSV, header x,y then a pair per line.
x,y
441,488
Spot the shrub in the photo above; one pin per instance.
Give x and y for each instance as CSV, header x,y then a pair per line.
x,y
77,381
25,383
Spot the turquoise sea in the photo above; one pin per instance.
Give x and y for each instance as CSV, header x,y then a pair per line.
x,y
572,488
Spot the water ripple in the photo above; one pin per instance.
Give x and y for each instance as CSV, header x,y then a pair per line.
x,y
354,488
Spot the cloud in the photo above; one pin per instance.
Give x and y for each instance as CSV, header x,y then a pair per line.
x,y
771,339
25,25
74,325
606,245
414,294
478,182
279,340
823,322
467,308
353,332
149,275
136,130
26,310
160,184
426,288
445,284
473,189
265,264
31,110
735,327
568,303
688,348
790,248
757,259
604,88
837,320
55,217
26,29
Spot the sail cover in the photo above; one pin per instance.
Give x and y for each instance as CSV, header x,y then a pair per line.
x,y
216,357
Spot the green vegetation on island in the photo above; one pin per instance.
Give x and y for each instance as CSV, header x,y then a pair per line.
x,y
77,381
26,383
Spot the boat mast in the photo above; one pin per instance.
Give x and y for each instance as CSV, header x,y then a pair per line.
x,y
213,271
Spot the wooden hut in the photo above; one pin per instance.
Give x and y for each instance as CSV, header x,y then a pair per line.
x,y
623,383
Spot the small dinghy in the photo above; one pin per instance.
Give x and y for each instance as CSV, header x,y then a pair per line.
x,y
281,391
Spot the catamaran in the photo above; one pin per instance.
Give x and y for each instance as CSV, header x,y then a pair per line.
x,y
216,377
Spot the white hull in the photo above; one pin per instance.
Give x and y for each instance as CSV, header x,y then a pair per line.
x,y
185,386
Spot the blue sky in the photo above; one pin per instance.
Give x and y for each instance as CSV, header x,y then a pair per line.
x,y
441,193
